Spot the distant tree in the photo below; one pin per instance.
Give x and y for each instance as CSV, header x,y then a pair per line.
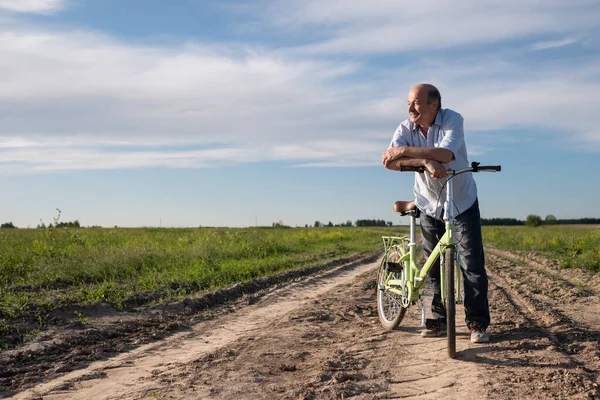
x,y
318,224
390,223
550,220
370,222
594,221
501,221
330,224
7,225
69,224
533,220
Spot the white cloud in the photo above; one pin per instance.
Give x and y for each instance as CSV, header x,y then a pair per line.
x,y
33,6
552,44
68,99
355,26
589,141
84,158
49,155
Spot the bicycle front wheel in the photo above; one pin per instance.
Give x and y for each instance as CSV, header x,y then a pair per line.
x,y
449,259
390,305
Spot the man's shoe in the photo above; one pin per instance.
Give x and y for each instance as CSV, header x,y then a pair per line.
x,y
436,330
478,335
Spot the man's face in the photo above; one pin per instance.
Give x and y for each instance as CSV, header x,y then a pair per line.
x,y
420,112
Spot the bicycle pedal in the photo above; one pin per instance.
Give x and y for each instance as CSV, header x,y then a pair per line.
x,y
394,267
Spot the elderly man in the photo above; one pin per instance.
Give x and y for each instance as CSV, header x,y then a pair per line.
x,y
433,137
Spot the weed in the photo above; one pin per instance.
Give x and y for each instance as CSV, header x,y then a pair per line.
x,y
83,320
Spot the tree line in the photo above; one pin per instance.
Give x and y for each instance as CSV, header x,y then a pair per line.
x,y
41,225
531,220
536,220
358,222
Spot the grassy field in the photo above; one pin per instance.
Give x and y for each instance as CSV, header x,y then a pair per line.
x,y
42,269
45,269
573,245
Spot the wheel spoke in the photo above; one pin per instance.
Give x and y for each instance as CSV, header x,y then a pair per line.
x,y
389,304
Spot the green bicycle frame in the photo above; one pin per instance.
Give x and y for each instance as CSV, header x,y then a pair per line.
x,y
415,278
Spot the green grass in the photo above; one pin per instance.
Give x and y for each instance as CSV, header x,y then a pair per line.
x,y
41,270
572,245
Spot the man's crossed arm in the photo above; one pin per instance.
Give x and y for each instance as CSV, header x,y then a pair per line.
x,y
431,158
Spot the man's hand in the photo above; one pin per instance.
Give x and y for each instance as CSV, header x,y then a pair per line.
x,y
437,170
390,155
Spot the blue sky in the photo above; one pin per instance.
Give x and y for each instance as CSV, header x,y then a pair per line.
x,y
229,113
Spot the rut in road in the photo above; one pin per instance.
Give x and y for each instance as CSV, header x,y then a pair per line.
x,y
321,339
113,379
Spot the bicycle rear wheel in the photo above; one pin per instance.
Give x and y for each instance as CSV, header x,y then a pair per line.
x,y
390,306
449,259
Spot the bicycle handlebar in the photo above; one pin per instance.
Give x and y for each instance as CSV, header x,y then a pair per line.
x,y
475,167
412,169
490,168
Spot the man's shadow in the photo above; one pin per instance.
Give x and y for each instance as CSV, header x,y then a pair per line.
x,y
512,341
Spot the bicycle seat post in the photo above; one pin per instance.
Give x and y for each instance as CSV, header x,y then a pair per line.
x,y
413,230
413,246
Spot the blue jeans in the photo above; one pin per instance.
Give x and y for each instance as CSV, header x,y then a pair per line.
x,y
469,245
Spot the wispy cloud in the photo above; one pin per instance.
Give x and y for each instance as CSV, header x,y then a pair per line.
x,y
589,141
86,158
552,44
377,26
68,97
33,6
48,155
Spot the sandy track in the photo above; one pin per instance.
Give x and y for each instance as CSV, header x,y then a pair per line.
x,y
320,339
131,373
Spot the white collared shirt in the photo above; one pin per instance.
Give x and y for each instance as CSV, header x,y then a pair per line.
x,y
446,132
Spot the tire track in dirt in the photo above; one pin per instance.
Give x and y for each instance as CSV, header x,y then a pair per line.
x,y
63,347
114,378
321,339
572,291
333,348
547,301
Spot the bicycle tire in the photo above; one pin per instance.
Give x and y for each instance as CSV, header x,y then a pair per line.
x,y
450,301
389,308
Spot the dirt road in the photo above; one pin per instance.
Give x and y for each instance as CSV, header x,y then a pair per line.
x,y
319,338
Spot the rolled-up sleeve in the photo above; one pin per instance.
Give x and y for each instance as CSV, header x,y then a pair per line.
x,y
454,133
400,137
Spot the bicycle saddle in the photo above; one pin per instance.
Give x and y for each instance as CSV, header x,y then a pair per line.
x,y
404,206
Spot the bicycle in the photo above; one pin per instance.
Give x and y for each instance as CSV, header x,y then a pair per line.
x,y
400,281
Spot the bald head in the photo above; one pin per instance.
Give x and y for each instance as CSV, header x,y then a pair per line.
x,y
430,92
424,102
